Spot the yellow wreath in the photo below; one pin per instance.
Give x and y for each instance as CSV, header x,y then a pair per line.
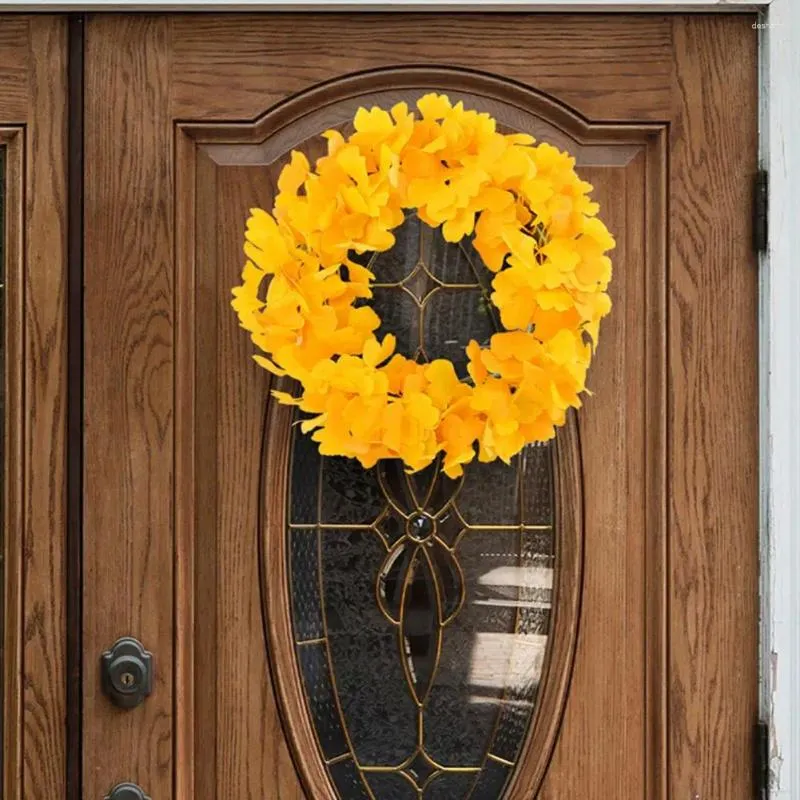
x,y
302,295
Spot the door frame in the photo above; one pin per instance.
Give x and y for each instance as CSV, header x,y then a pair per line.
x,y
777,24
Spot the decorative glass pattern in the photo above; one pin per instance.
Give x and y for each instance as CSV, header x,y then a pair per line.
x,y
421,604
434,297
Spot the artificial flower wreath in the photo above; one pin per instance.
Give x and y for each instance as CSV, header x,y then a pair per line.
x,y
303,296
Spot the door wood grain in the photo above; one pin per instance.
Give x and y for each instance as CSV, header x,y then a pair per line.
x,y
188,119
33,108
712,471
129,384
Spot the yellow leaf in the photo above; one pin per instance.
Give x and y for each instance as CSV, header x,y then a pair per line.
x,y
595,229
285,398
294,174
353,163
377,352
375,121
434,106
271,366
455,229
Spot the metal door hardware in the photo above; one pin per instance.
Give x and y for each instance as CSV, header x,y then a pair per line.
x,y
127,791
760,197
761,765
127,672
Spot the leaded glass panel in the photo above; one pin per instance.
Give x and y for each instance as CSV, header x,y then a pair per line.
x,y
421,604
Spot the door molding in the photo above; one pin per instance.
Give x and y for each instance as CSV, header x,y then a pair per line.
x,y
561,6
12,139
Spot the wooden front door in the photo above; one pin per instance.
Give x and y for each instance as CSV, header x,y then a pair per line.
x,y
604,633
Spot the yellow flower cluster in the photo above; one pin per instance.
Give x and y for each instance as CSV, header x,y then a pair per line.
x,y
302,296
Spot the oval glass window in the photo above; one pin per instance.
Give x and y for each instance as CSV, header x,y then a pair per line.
x,y
422,606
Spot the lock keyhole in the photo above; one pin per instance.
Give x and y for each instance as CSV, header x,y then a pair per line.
x,y
127,673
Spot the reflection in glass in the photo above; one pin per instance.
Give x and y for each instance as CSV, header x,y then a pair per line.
x,y
421,604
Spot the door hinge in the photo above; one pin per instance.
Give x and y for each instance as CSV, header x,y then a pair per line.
x,y
760,195
761,761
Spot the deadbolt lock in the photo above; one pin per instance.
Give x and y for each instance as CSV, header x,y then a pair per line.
x,y
127,791
127,675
